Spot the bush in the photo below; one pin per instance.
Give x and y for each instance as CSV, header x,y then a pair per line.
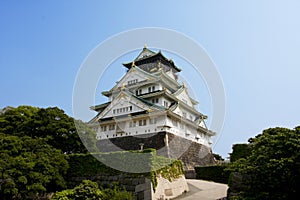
x,y
240,151
273,167
86,165
90,190
214,173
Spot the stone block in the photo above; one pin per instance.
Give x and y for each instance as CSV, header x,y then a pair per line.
x,y
135,181
169,192
148,194
142,187
140,196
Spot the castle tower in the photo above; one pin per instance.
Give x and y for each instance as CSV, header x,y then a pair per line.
x,y
149,108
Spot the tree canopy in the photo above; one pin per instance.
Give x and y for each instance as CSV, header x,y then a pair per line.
x,y
273,166
50,123
240,151
33,144
29,167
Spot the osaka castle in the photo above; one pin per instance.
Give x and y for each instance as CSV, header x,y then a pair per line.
x,y
149,108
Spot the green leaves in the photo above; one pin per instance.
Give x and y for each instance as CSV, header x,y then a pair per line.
x,y
50,123
273,165
89,190
31,167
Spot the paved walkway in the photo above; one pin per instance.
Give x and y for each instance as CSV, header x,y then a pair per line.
x,y
204,190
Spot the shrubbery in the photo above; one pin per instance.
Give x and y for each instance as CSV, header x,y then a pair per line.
x,y
214,173
90,190
85,165
272,170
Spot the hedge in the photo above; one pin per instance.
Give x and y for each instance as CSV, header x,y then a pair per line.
x,y
214,173
86,165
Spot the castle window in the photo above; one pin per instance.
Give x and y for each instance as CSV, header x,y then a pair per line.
x,y
132,82
174,122
140,91
184,114
122,110
181,125
143,122
111,127
153,121
153,88
166,104
149,89
103,128
155,100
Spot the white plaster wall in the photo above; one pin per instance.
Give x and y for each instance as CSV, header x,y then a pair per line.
x,y
185,98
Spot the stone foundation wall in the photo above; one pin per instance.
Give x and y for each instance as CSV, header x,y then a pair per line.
x,y
140,186
169,145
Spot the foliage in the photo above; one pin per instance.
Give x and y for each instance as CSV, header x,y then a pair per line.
x,y
89,190
115,193
218,157
49,123
29,167
214,173
240,151
86,165
273,167
86,190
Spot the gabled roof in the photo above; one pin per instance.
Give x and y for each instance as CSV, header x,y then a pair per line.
x,y
147,56
175,99
134,68
144,54
142,103
100,107
182,89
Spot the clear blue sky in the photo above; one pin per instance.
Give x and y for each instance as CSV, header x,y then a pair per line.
x,y
254,44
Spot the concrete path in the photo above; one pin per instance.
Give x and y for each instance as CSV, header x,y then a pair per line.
x,y
204,190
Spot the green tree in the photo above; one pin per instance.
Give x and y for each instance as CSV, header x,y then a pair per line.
x,y
240,151
50,123
89,190
273,166
29,167
218,157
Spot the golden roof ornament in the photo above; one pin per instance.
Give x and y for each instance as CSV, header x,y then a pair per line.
x,y
159,66
145,46
123,86
132,64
